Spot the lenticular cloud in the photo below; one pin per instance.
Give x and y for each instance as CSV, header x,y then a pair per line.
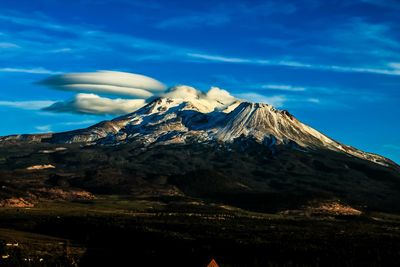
x,y
135,88
107,82
94,104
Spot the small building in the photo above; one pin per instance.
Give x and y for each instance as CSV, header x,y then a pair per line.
x,y
213,263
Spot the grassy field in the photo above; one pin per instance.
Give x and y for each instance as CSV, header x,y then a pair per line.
x,y
115,230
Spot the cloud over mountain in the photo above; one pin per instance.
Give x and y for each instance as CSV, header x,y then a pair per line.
x,y
106,82
94,104
215,98
190,93
135,86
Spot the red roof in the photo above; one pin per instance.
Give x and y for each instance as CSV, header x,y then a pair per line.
x,y
213,263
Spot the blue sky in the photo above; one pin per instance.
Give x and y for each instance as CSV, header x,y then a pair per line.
x,y
334,64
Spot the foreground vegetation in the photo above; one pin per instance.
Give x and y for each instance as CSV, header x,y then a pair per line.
x,y
113,231
177,205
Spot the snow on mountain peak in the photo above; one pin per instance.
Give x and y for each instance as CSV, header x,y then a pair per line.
x,y
214,99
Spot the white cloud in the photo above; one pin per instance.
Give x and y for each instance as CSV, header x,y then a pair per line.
x,y
282,87
360,40
109,82
277,100
94,104
220,95
388,69
29,105
137,87
44,128
30,70
109,89
182,92
395,65
314,100
215,98
219,58
33,22
61,50
190,93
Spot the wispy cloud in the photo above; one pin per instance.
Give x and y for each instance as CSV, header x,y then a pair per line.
x,y
220,58
86,41
33,22
43,128
281,87
390,68
301,95
31,71
28,105
61,50
314,100
77,38
361,33
360,40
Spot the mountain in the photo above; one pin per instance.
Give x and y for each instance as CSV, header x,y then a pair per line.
x,y
211,146
181,120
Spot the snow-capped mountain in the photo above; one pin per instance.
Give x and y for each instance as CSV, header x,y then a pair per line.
x,y
185,115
